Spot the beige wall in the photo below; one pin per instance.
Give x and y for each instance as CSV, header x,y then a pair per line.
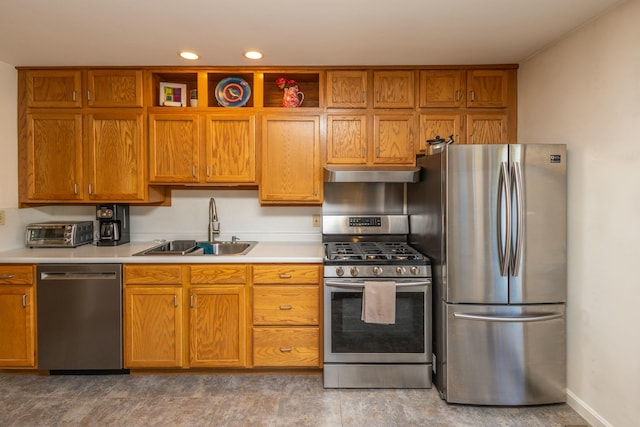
x,y
585,91
8,137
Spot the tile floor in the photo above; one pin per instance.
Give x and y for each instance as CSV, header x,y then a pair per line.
x,y
242,400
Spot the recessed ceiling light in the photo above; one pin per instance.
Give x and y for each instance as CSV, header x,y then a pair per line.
x,y
188,55
253,54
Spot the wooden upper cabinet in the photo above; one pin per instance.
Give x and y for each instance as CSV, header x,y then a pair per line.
x,y
487,88
114,88
115,156
394,89
291,166
54,88
230,149
393,141
347,139
346,89
174,153
442,88
54,156
487,128
442,124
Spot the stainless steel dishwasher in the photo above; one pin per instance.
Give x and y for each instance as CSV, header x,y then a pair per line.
x,y
79,317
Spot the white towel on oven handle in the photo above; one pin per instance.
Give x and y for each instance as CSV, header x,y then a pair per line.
x,y
379,302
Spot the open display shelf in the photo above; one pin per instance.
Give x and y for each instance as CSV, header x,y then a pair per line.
x,y
308,84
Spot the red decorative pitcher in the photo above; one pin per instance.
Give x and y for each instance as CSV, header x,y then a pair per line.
x,y
292,97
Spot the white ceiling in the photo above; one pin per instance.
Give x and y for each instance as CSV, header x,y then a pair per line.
x,y
290,33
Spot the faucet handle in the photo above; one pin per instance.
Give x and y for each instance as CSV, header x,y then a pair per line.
x,y
215,226
234,239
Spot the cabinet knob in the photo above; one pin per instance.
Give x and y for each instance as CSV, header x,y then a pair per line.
x,y
286,307
285,276
286,349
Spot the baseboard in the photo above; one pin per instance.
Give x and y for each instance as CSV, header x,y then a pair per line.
x,y
586,411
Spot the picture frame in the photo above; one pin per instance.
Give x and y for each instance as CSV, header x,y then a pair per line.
x,y
173,94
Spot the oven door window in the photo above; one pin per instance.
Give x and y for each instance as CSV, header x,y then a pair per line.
x,y
349,334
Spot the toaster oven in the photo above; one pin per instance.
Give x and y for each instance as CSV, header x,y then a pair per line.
x,y
59,234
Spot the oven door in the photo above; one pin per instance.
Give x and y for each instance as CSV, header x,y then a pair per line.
x,y
347,339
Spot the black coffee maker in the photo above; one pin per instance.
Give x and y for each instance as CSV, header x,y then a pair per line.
x,y
113,224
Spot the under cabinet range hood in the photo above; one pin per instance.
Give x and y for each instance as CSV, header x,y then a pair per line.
x,y
371,174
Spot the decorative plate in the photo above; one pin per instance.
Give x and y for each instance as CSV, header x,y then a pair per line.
x,y
233,92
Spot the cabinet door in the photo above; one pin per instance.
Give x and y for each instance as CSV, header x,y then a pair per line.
x,y
291,166
114,88
54,156
115,156
17,326
346,89
347,139
394,89
174,148
218,325
152,327
442,88
487,88
58,88
393,139
440,124
230,149
487,128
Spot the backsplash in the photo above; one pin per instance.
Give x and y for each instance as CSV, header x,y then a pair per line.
x,y
239,212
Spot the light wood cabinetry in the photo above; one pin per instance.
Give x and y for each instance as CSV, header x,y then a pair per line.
x,y
79,145
394,89
476,106
153,316
197,311
286,315
291,166
346,89
174,148
17,316
218,315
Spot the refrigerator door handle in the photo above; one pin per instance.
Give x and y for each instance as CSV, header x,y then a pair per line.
x,y
516,182
504,194
525,318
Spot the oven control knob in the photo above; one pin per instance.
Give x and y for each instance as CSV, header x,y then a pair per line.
x,y
354,271
415,270
401,270
377,271
340,271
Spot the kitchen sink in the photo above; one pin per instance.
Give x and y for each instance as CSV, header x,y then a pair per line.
x,y
193,247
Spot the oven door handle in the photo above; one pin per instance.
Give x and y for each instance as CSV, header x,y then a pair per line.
x,y
351,285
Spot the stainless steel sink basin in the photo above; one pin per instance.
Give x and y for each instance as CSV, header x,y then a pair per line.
x,y
226,248
193,247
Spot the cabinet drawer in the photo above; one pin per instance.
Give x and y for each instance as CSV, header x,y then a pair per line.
x,y
286,346
285,305
152,274
16,274
220,273
286,273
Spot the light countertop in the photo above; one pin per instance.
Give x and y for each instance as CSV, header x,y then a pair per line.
x,y
263,252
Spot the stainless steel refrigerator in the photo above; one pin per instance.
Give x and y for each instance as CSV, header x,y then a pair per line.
x,y
492,218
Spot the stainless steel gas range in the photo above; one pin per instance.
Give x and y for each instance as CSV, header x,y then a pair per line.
x,y
361,250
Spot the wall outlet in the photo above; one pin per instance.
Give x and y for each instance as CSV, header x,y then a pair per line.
x,y
315,220
2,216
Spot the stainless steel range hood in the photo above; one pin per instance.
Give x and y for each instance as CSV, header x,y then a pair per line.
x,y
371,174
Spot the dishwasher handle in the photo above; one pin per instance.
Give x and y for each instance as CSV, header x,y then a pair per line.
x,y
78,275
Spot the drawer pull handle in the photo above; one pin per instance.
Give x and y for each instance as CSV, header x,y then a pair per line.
x,y
285,276
7,276
285,349
24,300
286,307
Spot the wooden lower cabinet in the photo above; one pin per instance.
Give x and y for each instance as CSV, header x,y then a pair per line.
x,y
17,316
180,316
286,315
153,322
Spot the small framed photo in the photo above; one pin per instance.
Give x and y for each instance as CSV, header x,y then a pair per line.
x,y
173,94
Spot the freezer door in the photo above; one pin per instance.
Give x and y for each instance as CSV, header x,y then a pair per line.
x,y
473,231
539,225
505,355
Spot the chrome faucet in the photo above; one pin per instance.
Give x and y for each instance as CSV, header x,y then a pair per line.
x,y
214,224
